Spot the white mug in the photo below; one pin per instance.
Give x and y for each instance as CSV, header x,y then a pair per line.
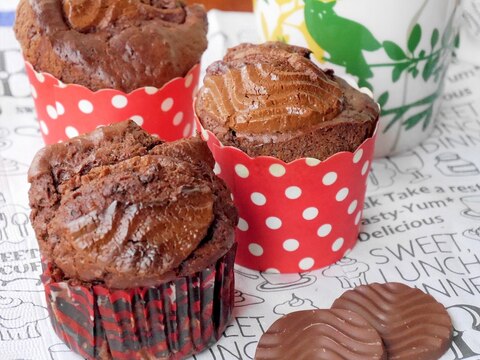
x,y
399,49
469,49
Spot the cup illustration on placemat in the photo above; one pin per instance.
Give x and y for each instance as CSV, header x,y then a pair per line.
x,y
472,202
399,49
451,164
282,282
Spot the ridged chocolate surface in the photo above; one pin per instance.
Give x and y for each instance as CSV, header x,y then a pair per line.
x,y
320,335
271,99
270,88
412,324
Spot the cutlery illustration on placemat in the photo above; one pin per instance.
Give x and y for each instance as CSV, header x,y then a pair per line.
x,y
14,224
3,227
21,221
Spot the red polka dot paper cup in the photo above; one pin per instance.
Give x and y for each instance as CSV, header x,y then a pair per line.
x,y
67,110
295,216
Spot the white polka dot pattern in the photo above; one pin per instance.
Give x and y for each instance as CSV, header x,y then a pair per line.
x,y
329,178
150,90
342,194
60,108
273,223
187,130
85,106
138,119
298,227
277,170
40,77
217,169
324,230
255,249
242,171
43,127
258,199
310,213
294,217
33,91
119,101
71,132
312,161
167,111
242,225
52,112
365,167
306,263
167,104
337,244
293,192
358,156
178,118
291,245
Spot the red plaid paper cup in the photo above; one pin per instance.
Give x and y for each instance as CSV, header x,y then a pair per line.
x,y
170,321
67,110
295,216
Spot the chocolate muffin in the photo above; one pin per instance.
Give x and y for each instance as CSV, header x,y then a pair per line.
x,y
271,99
137,238
119,44
117,206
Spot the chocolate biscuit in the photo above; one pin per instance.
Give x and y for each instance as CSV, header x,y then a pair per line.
x,y
321,335
412,324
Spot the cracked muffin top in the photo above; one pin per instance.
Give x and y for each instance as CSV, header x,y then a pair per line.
x,y
120,207
119,44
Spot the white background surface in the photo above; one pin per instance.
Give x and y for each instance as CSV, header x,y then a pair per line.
x,y
421,223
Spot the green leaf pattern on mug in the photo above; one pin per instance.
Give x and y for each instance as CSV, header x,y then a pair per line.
x,y
414,38
345,40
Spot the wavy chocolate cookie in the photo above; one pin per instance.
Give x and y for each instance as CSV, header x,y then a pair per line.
x,y
412,324
319,335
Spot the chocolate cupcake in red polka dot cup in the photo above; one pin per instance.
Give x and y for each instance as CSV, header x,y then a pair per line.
x,y
96,62
294,144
